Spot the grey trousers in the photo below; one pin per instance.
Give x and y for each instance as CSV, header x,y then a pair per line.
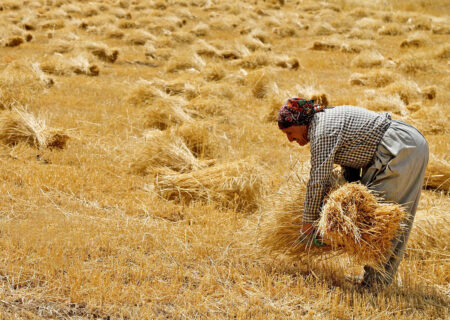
x,y
397,175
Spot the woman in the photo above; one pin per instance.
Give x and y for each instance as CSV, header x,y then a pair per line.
x,y
388,156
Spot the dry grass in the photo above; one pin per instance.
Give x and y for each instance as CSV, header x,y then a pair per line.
x,y
412,64
384,103
163,150
280,226
375,78
368,59
392,29
84,236
416,40
201,137
408,91
428,224
14,42
261,83
430,120
438,173
78,64
106,55
234,185
185,61
18,125
165,113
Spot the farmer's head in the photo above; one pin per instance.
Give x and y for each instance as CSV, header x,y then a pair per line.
x,y
294,118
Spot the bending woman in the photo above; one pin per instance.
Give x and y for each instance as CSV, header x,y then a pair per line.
x,y
388,156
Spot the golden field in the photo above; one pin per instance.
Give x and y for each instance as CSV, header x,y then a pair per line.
x,y
140,152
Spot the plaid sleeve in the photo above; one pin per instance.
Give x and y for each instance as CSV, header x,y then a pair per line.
x,y
323,149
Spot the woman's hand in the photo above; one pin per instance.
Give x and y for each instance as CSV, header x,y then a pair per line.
x,y
308,236
307,228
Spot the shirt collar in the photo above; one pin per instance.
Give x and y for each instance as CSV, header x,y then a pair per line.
x,y
312,127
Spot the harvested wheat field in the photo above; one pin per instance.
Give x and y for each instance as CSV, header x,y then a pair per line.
x,y
142,166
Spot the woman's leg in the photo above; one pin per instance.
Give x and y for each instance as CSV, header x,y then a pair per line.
x,y
397,175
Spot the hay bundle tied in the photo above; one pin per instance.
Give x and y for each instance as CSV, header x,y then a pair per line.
x,y
360,224
17,125
235,185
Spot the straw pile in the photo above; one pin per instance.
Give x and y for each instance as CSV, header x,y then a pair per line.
x,y
281,222
437,174
357,222
235,185
201,138
164,150
164,114
431,229
18,125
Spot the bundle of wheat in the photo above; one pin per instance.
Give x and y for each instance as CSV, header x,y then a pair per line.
x,y
359,224
443,52
105,55
369,23
416,40
376,78
207,107
201,138
273,105
164,113
20,82
325,45
360,34
203,48
430,120
323,29
257,59
261,83
286,62
59,65
431,229
81,65
415,63
160,149
201,29
390,103
214,73
279,230
235,185
437,175
145,92
407,90
18,125
392,29
14,41
185,60
368,59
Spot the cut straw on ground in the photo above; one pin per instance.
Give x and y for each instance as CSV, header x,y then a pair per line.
x,y
237,185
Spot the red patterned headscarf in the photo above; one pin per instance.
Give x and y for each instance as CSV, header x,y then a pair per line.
x,y
297,112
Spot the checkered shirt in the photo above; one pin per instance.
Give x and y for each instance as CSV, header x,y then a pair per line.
x,y
345,135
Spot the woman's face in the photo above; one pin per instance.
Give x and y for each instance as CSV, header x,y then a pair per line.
x,y
298,134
